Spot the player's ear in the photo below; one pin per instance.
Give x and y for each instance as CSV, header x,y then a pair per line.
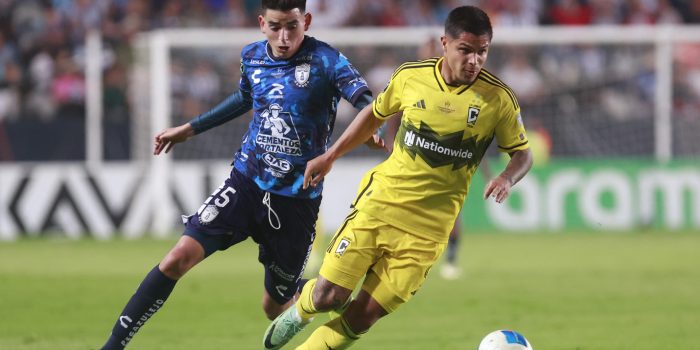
x,y
307,21
443,41
261,22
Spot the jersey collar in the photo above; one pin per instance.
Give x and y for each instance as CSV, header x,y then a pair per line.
x,y
446,87
268,51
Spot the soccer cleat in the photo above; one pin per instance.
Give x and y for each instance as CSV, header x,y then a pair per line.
x,y
282,329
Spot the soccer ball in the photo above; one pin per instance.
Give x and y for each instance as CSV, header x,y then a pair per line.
x,y
504,340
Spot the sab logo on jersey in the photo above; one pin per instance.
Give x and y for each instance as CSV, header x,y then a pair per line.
x,y
277,166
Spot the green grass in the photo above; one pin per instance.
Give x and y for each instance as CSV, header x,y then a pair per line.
x,y
563,291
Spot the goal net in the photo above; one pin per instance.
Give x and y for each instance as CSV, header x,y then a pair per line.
x,y
584,92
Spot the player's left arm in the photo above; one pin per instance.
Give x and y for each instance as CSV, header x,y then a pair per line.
x,y
512,138
519,164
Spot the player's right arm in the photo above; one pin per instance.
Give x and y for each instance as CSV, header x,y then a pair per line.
x,y
362,127
232,107
367,121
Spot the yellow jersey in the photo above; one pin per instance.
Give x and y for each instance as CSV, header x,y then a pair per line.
x,y
444,133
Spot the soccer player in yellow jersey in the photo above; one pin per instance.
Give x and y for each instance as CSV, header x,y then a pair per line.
x,y
406,206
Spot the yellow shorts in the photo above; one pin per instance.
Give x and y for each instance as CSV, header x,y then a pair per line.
x,y
396,262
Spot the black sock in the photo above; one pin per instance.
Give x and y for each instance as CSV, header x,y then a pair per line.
x,y
149,298
302,283
452,246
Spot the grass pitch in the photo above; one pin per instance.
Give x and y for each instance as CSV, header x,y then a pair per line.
x,y
563,291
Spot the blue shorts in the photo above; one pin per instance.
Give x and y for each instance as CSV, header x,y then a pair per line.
x,y
283,227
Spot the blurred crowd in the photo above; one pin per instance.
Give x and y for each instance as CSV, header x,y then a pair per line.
x,y
42,50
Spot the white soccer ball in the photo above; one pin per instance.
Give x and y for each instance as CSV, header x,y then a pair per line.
x,y
504,340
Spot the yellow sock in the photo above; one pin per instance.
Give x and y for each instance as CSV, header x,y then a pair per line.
x,y
336,334
305,304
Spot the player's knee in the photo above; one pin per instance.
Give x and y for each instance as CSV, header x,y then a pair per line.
x,y
178,262
328,296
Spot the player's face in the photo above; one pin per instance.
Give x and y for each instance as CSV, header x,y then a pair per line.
x,y
465,55
284,30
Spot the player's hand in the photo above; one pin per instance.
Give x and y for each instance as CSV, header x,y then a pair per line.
x,y
316,170
376,142
166,139
498,188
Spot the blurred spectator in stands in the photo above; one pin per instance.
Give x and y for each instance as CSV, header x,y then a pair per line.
x,y
693,14
570,12
388,13
380,73
39,100
68,87
607,12
422,13
234,15
639,13
198,14
83,16
518,13
27,25
666,13
171,15
116,106
522,77
687,57
330,13
10,78
136,18
203,83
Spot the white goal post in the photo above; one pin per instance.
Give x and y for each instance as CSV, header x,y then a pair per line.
x,y
159,44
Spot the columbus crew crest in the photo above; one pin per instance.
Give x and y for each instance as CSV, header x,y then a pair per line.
x,y
301,74
472,115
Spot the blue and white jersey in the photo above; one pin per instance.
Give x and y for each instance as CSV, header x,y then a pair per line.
x,y
295,102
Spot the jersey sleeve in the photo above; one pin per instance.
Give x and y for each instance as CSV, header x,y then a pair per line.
x,y
348,80
510,130
388,101
244,83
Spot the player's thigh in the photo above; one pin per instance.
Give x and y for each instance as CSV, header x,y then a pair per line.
x,y
352,250
402,268
285,234
224,219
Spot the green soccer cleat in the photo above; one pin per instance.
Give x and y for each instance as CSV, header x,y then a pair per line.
x,y
282,329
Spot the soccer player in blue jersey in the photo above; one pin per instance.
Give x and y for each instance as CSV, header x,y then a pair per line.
x,y
293,84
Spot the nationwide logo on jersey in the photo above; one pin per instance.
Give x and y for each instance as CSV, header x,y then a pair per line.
x,y
301,74
277,132
440,150
472,115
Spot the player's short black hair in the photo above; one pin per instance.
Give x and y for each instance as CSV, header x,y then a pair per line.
x,y
468,19
284,5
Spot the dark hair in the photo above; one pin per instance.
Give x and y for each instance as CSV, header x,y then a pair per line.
x,y
284,5
468,19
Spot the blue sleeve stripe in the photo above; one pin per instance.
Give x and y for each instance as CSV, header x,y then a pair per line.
x,y
362,100
230,108
358,97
